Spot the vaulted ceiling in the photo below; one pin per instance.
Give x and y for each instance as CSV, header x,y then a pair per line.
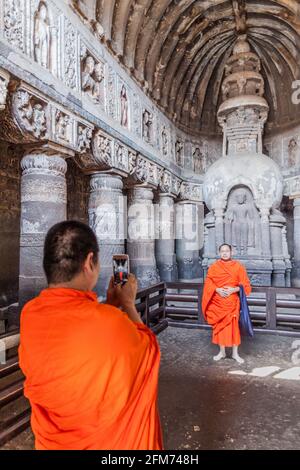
x,y
177,50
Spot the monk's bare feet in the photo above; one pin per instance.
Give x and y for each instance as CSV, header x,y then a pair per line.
x,y
238,359
235,355
219,356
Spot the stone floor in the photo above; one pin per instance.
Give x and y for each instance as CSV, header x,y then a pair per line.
x,y
208,405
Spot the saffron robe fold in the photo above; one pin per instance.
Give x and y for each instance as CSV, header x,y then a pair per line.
x,y
222,313
91,374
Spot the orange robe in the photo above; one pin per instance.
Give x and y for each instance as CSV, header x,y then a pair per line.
x,y
222,313
91,374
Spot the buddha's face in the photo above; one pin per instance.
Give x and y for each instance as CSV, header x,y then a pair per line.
x,y
43,12
241,197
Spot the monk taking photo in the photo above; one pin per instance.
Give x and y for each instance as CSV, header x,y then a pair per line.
x,y
91,369
221,303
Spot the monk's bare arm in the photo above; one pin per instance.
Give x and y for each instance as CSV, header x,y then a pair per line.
x,y
132,313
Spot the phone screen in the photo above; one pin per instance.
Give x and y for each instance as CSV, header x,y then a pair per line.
x,y
120,268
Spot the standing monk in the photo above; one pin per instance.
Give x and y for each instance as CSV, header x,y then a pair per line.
x,y
91,369
221,303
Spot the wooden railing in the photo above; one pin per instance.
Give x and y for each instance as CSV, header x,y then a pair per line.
x,y
179,304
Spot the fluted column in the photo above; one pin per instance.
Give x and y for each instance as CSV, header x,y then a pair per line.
x,y
43,204
106,217
141,235
165,237
296,260
187,240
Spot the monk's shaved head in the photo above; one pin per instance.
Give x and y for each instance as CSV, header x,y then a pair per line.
x,y
225,244
66,247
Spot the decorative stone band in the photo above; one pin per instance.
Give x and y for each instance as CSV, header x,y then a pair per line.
x,y
43,179
144,171
169,183
292,187
43,164
40,119
101,182
191,192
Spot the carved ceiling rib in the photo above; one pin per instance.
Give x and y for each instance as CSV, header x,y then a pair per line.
x,y
165,45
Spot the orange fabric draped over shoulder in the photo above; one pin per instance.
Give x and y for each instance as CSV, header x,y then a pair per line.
x,y
91,374
222,313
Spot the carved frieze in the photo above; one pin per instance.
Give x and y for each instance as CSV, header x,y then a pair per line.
x,y
31,113
84,138
102,146
191,192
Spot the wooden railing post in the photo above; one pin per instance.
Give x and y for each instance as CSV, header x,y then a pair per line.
x,y
271,322
200,314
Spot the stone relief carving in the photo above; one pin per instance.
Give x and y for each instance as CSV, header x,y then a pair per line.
x,y
102,150
124,107
84,138
132,156
190,191
62,126
14,23
136,115
179,153
92,78
4,79
31,113
199,163
166,182
240,220
70,55
293,152
147,125
41,36
111,93
164,141
121,156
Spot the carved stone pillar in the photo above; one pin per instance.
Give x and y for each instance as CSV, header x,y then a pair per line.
x,y
277,222
219,226
287,258
106,218
265,232
296,261
141,235
43,204
4,79
165,238
187,241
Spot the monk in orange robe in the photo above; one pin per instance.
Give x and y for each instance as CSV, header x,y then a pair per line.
x,y
91,369
221,303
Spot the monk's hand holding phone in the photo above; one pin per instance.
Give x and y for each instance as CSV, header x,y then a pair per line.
x,y
124,296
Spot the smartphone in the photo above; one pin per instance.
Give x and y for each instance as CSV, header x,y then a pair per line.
x,y
120,268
